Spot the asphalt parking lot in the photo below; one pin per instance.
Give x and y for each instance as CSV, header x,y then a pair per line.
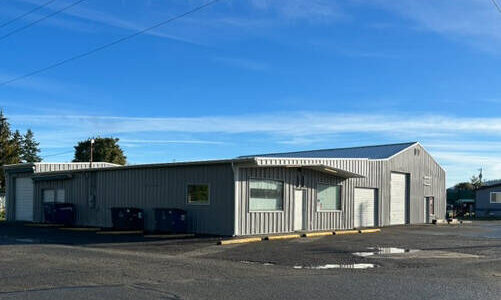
x,y
412,262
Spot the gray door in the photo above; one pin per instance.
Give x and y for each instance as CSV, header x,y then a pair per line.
x,y
298,210
24,199
365,207
398,197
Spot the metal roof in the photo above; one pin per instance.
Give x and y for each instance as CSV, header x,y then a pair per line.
x,y
251,162
40,167
368,152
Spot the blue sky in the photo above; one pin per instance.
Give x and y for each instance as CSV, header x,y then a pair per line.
x,y
243,77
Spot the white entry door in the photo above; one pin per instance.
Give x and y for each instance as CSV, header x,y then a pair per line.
x,y
365,207
298,210
24,199
398,197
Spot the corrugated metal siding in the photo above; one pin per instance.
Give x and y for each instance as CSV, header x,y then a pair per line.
x,y
10,194
483,205
419,166
166,187
147,189
50,167
38,168
377,175
282,221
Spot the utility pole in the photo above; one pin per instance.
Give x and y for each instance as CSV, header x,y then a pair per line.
x,y
92,141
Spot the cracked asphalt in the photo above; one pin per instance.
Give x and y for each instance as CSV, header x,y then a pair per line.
x,y
450,262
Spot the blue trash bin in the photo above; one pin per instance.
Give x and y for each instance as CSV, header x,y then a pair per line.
x,y
171,220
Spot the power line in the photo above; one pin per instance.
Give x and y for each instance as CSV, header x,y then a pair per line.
x,y
496,5
40,20
27,13
57,154
123,39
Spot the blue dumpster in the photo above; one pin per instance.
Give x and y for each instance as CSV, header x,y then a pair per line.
x,y
59,213
127,218
171,220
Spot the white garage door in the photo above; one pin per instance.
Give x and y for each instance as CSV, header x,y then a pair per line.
x,y
398,196
24,199
365,206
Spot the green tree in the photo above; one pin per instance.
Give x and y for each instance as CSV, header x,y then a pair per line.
x,y
17,143
8,154
476,182
464,186
30,148
105,150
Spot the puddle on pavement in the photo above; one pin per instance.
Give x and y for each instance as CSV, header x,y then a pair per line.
x,y
26,241
337,266
250,262
385,251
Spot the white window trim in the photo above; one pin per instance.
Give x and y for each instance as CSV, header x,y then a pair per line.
x,y
490,198
340,198
198,202
265,211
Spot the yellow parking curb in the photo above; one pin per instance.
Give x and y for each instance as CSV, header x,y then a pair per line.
x,y
283,237
80,228
316,234
345,232
374,230
169,236
121,232
240,241
42,225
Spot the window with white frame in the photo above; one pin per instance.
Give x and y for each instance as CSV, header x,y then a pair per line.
x,y
198,193
50,195
266,195
328,197
496,197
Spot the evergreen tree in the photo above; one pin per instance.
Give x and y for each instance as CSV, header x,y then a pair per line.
x,y
17,143
7,147
30,149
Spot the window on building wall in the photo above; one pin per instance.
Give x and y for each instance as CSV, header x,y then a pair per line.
x,y
266,195
60,195
51,195
496,197
198,193
328,197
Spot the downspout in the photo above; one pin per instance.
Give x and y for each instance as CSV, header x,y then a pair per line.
x,y
236,198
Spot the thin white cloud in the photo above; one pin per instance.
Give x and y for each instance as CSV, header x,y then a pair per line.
x,y
141,142
460,144
243,63
312,10
87,14
461,166
38,84
474,21
284,123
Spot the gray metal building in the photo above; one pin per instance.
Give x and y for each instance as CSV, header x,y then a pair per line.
x,y
259,194
19,185
488,201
